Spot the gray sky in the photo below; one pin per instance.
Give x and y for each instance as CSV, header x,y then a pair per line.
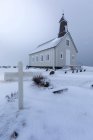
x,y
24,24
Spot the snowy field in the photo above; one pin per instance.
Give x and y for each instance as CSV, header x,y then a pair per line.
x,y
48,116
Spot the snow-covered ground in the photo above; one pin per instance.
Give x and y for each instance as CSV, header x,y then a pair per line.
x,y
48,116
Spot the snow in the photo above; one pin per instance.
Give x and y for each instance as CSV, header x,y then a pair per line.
x,y
48,116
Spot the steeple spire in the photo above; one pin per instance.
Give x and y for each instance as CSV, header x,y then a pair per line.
x,y
63,26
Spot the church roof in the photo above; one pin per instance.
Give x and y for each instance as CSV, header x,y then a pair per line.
x,y
51,43
47,45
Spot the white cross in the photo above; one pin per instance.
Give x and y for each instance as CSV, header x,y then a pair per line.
x,y
20,85
10,76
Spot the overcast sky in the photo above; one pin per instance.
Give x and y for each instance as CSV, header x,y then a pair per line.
x,y
24,24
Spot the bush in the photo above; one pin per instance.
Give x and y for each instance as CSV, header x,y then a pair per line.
x,y
65,72
40,80
72,71
46,84
52,72
12,97
14,135
14,67
47,69
92,85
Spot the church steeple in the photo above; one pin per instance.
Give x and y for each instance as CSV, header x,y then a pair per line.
x,y
63,26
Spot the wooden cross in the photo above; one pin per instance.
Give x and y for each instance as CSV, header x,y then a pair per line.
x,y
11,76
20,85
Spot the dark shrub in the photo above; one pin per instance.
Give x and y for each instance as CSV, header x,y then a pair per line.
x,y
46,84
28,67
52,72
40,80
65,72
12,97
84,70
37,79
47,69
92,85
14,135
81,70
72,71
14,67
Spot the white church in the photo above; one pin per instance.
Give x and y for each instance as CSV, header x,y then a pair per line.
x,y
55,53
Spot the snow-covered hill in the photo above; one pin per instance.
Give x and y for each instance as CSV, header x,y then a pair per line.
x,y
48,116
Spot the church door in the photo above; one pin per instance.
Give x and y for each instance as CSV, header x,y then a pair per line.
x,y
67,57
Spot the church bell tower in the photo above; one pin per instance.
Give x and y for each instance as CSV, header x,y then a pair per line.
x,y
63,27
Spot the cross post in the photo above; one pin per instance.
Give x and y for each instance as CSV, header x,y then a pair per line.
x,y
20,85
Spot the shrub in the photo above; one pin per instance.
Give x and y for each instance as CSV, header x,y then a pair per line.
x,y
52,72
37,79
12,97
92,85
40,80
47,84
14,135
47,69
65,72
72,71
80,70
72,67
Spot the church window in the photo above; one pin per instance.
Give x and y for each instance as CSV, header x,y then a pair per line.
x,y
33,59
47,57
36,58
41,57
61,55
67,42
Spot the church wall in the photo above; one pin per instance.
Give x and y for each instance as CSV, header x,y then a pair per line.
x,y
55,54
45,63
61,50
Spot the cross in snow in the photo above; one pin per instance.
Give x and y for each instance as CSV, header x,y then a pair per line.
x,y
8,76
20,85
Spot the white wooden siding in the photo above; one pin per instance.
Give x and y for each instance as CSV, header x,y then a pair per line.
x,y
55,55
45,62
62,47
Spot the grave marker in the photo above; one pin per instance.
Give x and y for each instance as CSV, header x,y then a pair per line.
x,y
20,85
10,76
